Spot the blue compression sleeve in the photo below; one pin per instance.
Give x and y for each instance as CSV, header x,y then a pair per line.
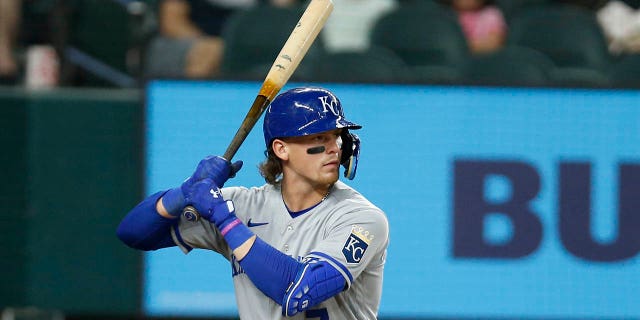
x,y
144,229
270,270
296,286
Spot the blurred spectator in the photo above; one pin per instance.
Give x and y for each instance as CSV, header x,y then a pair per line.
x,y
24,25
10,13
620,22
190,44
482,22
349,24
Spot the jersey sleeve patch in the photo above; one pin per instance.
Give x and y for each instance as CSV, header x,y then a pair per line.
x,y
356,244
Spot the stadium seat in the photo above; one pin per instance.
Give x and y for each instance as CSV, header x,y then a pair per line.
x,y
510,66
251,45
435,74
106,40
427,37
512,8
626,72
570,36
376,65
579,77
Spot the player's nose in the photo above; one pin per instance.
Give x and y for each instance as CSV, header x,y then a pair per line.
x,y
334,145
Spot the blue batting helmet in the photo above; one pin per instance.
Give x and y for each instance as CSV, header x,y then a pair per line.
x,y
303,111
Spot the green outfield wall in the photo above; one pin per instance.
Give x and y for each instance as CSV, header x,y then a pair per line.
x,y
72,167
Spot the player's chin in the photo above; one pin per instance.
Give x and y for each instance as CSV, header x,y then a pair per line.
x,y
328,181
328,174
330,177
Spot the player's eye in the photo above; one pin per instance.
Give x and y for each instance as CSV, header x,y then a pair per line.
x,y
325,137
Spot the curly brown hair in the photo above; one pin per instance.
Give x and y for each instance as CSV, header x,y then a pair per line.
x,y
271,168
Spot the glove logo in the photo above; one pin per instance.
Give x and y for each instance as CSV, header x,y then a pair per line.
x,y
215,193
356,245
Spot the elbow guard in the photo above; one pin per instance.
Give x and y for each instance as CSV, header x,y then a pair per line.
x,y
316,281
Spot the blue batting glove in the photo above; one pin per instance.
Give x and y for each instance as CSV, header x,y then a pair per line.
x,y
206,197
216,168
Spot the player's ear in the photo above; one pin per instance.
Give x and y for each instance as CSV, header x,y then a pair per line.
x,y
280,149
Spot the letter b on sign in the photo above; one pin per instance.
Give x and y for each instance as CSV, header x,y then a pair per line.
x,y
471,208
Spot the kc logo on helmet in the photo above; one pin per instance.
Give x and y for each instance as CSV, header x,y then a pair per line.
x,y
329,103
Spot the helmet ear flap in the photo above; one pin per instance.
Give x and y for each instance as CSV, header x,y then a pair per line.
x,y
347,145
350,153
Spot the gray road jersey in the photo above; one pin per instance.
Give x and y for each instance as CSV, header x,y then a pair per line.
x,y
345,230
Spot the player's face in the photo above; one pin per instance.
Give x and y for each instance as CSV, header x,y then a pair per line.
x,y
308,161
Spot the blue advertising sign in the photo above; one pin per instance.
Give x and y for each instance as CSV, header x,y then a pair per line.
x,y
501,202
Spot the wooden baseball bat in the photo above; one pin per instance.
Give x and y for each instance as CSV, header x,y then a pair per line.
x,y
294,49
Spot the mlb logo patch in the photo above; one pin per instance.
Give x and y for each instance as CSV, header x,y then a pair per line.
x,y
356,244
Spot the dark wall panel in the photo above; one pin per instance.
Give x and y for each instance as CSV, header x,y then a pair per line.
x,y
83,165
13,258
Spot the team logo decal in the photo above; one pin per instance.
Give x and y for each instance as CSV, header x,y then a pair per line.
x,y
356,244
329,103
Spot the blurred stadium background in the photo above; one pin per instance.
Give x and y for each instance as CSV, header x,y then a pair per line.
x,y
79,155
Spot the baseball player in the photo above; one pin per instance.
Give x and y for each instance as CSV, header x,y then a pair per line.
x,y
304,245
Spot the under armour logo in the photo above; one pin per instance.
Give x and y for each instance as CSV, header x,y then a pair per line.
x,y
329,103
215,192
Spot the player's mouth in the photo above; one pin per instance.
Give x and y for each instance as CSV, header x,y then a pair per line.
x,y
334,163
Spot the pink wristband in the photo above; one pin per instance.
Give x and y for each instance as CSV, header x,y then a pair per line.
x,y
230,226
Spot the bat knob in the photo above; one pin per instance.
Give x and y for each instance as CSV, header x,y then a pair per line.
x,y
191,214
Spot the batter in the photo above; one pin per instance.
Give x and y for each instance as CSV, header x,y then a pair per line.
x,y
303,246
